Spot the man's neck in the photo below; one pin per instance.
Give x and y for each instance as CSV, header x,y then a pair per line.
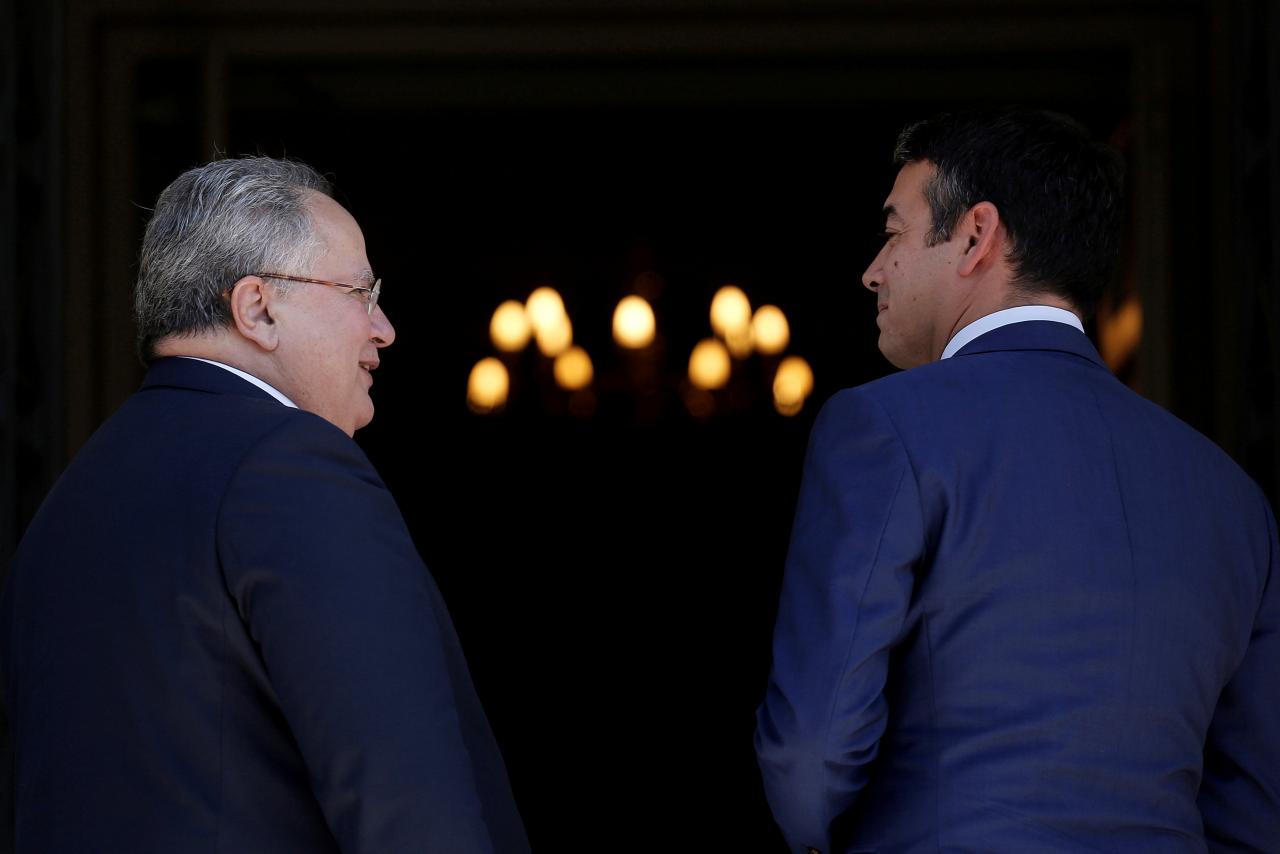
x,y
1007,298
1006,316
215,348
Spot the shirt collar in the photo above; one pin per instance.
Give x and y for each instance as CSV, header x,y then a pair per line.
x,y
248,378
1017,314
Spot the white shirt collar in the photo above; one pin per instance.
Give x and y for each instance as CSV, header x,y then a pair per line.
x,y
1017,314
249,377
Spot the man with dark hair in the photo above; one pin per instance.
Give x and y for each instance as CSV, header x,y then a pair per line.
x,y
1024,609
217,634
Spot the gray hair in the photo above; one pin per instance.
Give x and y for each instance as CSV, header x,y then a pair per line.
x,y
212,226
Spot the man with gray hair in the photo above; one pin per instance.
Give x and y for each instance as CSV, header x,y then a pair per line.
x,y
217,634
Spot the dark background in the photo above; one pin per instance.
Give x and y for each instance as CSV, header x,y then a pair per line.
x,y
614,576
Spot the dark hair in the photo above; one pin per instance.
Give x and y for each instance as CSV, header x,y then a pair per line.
x,y
1059,193
213,225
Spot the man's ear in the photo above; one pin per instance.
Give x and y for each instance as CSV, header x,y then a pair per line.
x,y
980,229
251,306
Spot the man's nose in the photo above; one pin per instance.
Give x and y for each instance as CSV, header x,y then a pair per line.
x,y
871,276
383,332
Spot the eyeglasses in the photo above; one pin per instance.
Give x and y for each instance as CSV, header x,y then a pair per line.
x,y
368,295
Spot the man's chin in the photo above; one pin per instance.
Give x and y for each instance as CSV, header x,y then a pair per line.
x,y
900,360
362,420
347,423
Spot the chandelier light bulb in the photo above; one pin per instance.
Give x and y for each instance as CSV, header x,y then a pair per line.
x,y
709,364
573,370
488,385
770,331
791,385
509,329
545,309
730,312
554,338
633,323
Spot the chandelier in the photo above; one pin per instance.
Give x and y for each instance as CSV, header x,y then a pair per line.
x,y
738,337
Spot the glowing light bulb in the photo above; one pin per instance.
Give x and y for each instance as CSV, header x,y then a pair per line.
x,y
730,312
573,369
488,385
791,385
554,338
709,364
509,329
545,308
633,323
770,331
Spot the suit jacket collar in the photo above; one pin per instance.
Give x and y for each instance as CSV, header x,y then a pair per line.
x,y
177,372
1034,335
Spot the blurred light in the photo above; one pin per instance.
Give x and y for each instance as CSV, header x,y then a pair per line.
x,y
509,327
792,384
573,369
545,308
794,369
770,331
730,311
554,338
488,385
1120,332
709,364
788,407
739,342
633,323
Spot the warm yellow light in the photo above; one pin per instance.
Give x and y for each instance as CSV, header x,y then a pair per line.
x,y
1120,332
794,369
573,369
488,385
554,338
633,323
509,327
709,364
545,308
739,343
788,407
770,331
730,311
792,384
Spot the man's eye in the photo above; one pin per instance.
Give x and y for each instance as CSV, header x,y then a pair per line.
x,y
885,235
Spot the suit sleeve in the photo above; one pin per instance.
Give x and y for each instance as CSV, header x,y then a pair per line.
x,y
847,585
1240,791
360,650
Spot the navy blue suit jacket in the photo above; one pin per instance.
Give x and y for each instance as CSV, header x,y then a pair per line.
x,y
219,637
1023,610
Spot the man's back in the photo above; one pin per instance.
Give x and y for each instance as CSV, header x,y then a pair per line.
x,y
219,637
1085,575
1095,571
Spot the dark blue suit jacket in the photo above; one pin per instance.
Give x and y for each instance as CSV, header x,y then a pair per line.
x,y
1024,610
218,637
